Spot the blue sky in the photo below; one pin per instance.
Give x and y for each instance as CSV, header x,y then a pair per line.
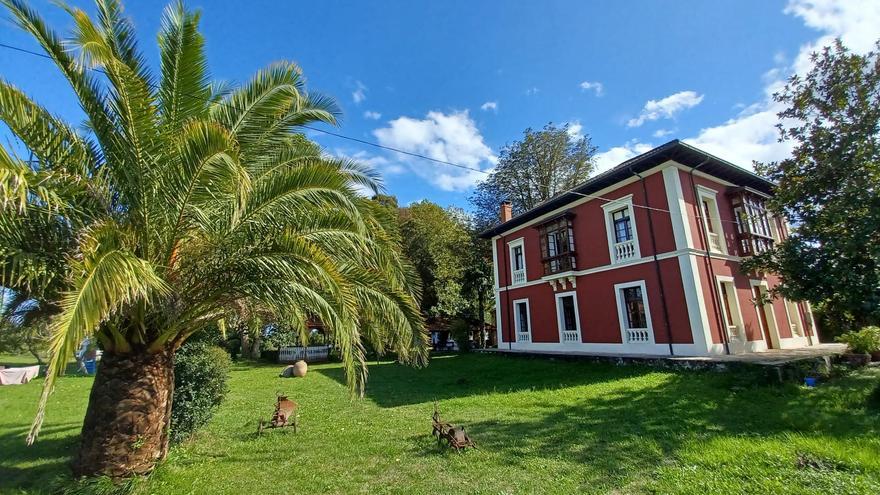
x,y
456,80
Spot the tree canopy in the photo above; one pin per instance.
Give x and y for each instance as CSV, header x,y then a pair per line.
x,y
543,164
830,187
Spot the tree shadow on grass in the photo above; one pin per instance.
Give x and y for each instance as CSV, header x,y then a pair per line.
x,y
24,467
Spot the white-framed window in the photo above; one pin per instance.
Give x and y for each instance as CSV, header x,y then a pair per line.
x,y
794,318
567,317
620,223
730,308
711,219
522,320
517,261
634,313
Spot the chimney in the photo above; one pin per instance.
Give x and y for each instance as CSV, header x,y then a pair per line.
x,y
506,211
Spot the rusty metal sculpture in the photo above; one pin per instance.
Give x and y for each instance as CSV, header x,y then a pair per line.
x,y
285,415
455,436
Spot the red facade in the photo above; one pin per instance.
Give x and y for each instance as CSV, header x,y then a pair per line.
x,y
656,270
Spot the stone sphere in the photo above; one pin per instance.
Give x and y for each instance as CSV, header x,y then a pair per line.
x,y
300,368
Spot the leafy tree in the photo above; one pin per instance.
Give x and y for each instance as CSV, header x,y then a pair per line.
x,y
436,240
540,166
830,187
180,205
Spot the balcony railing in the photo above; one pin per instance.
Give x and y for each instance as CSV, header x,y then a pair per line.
x,y
570,336
625,250
560,263
519,277
523,337
637,336
733,332
715,242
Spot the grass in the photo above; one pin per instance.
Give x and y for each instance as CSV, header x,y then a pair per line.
x,y
542,426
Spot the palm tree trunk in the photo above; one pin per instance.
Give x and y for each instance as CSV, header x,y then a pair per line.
x,y
125,431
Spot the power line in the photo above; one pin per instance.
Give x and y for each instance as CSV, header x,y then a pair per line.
x,y
370,143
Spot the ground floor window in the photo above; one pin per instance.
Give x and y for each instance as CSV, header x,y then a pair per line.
x,y
730,308
521,320
635,318
566,313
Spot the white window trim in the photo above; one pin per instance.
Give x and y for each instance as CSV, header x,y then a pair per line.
x,y
712,196
577,315
609,208
796,320
510,245
621,311
737,314
516,324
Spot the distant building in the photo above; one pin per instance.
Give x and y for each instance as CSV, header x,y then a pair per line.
x,y
645,259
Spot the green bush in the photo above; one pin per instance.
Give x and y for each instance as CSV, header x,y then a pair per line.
x,y
864,341
200,373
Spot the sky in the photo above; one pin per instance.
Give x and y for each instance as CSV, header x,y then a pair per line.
x,y
458,80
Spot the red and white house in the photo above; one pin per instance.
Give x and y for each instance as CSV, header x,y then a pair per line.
x,y
645,259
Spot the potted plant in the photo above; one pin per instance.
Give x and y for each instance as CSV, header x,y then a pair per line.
x,y
861,345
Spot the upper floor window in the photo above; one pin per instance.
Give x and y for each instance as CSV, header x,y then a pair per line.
x,y
557,245
623,239
753,222
517,262
711,220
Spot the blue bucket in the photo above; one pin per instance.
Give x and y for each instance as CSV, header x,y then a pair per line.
x,y
810,381
90,366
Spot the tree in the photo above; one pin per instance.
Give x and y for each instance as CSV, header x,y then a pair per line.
x,y
540,166
830,187
183,203
436,240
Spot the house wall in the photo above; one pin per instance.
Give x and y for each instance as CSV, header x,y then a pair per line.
x,y
688,276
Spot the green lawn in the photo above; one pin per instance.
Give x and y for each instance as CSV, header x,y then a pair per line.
x,y
541,425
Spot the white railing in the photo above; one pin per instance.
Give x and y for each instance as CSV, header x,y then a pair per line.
x,y
308,354
523,337
714,242
519,277
624,250
570,336
795,330
637,336
733,332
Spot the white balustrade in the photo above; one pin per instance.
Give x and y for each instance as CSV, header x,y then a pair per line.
x,y
733,332
637,336
519,277
624,250
523,337
570,336
714,242
308,354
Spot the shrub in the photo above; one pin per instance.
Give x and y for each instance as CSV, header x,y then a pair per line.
x,y
461,332
864,341
200,373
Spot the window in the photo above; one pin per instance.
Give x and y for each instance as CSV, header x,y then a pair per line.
x,y
623,239
711,219
567,317
517,262
794,318
521,320
635,318
730,308
557,245
753,223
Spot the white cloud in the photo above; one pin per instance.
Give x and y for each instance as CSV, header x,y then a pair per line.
x,y
595,86
452,137
752,135
532,91
369,114
575,130
619,154
662,133
489,105
360,93
666,108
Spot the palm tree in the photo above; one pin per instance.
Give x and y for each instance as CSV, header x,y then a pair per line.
x,y
181,202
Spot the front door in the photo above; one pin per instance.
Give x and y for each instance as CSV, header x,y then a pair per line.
x,y
762,315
